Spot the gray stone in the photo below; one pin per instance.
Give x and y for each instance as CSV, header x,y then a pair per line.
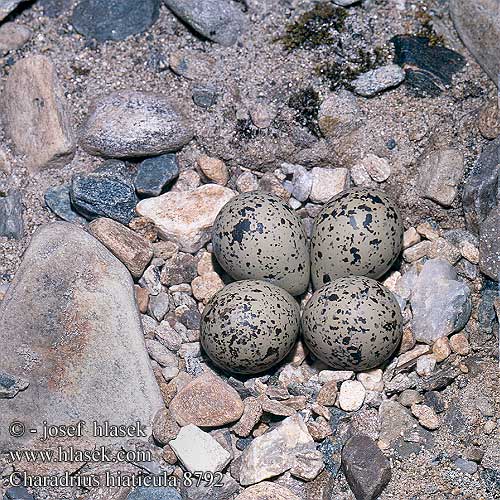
x,y
489,245
267,491
218,20
18,493
160,353
114,19
128,124
59,201
478,24
11,386
54,8
159,305
11,216
466,466
301,180
481,189
154,493
339,114
366,468
35,115
441,304
106,192
7,6
491,458
204,95
377,80
441,172
13,36
70,326
153,174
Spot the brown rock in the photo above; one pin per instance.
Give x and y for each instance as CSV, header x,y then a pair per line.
x,y
142,298
275,407
251,416
132,249
165,428
328,394
267,491
35,117
13,36
213,169
206,286
441,349
169,455
460,344
488,123
207,401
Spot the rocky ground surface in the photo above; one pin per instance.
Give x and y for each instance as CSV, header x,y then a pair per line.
x,y
138,124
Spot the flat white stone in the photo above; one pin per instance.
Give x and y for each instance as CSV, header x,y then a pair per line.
x,y
351,396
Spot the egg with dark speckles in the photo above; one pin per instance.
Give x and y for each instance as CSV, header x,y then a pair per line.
x,y
257,236
359,232
249,326
352,323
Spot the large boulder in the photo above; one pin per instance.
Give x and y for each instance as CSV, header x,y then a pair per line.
x,y
70,328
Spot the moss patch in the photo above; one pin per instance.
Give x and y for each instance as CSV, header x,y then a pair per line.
x,y
427,30
319,26
306,103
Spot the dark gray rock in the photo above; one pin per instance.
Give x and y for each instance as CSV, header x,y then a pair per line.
x,y
155,173
179,269
59,201
466,466
218,20
478,25
434,400
429,68
11,386
204,96
365,467
18,493
488,322
154,493
107,192
481,189
114,19
131,124
54,8
69,325
489,245
331,450
191,319
11,216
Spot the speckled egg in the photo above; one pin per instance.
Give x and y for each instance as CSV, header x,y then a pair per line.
x,y
352,323
257,236
359,232
249,326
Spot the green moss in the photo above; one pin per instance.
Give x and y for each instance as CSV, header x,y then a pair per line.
x,y
427,29
319,26
306,103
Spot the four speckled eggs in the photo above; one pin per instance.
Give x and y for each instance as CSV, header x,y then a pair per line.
x,y
351,323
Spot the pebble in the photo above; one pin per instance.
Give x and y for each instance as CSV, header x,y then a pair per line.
x,y
108,192
351,396
18,492
153,174
11,386
441,305
129,247
165,428
13,36
417,252
460,344
267,491
187,181
428,231
360,176
378,168
434,400
275,407
377,80
218,20
207,401
410,397
326,376
206,286
372,380
469,251
7,6
489,245
165,249
154,493
489,427
395,421
252,414
269,183
247,182
199,451
204,95
214,169
426,416
126,124
365,467
47,138
425,365
160,353
441,248
441,172
181,268
169,372
339,114
58,200
191,65
466,466
488,122
408,358
11,215
328,182
275,452
150,279
186,218
261,115
407,342
441,349
327,395
159,305
302,181
307,465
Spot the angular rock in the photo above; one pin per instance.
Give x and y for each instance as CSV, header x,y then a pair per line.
x,y
199,451
11,216
426,416
377,80
165,428
429,68
160,353
69,294
274,452
489,245
35,115
13,36
18,493
267,491
106,192
186,217
307,465
251,415
218,20
478,25
441,304
59,201
11,386
339,114
214,169
181,268
159,305
7,6
366,468
328,182
206,286
377,168
207,401
488,122
114,19
128,246
153,174
127,124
